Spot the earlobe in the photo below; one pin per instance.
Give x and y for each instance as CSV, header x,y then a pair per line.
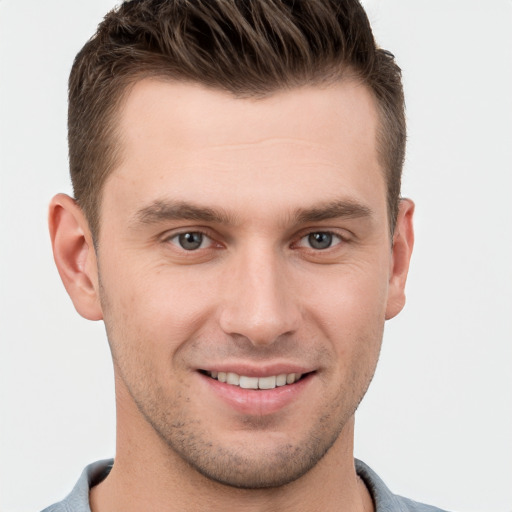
x,y
74,255
403,241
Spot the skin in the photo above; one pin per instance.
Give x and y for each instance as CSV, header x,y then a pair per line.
x,y
255,177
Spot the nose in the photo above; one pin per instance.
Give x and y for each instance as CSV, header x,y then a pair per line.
x,y
260,301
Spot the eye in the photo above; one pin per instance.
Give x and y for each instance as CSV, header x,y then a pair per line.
x,y
320,240
191,240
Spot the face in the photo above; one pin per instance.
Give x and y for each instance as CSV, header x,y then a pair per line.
x,y
245,270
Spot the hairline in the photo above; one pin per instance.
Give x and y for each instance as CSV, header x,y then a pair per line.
x,y
114,136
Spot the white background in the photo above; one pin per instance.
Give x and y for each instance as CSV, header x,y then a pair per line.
x,y
437,422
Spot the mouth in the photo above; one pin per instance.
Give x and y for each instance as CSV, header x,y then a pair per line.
x,y
262,391
246,382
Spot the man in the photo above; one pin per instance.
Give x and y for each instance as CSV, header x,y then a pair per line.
x,y
238,226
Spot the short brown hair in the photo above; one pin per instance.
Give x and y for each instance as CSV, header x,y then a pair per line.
x,y
245,47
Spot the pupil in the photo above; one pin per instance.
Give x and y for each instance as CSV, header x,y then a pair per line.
x,y
320,240
191,241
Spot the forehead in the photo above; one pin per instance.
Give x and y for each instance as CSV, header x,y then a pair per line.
x,y
287,149
192,115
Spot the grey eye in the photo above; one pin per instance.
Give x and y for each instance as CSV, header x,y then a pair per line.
x,y
190,241
320,240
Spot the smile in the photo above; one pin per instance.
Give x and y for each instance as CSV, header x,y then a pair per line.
x,y
245,382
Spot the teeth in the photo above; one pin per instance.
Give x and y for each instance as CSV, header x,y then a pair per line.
x,y
233,378
249,382
267,382
280,379
255,382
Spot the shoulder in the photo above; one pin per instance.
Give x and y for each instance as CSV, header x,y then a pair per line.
x,y
56,507
413,506
384,499
78,499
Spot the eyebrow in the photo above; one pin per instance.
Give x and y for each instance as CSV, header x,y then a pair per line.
x,y
165,210
346,208
162,210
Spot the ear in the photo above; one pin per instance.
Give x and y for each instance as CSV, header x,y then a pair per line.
x,y
403,241
74,255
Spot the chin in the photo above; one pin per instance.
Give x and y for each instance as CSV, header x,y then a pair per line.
x,y
260,461
262,472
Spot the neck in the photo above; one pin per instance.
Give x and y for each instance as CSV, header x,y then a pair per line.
x,y
148,475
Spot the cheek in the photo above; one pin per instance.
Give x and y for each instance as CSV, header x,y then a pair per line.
x,y
350,310
154,308
352,292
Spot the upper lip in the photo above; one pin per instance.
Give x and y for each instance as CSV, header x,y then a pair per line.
x,y
261,370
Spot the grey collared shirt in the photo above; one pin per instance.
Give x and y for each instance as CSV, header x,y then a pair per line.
x,y
384,500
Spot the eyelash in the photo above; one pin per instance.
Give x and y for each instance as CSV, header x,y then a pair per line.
x,y
175,240
330,234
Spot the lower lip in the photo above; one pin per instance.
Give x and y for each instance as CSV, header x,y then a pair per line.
x,y
257,402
